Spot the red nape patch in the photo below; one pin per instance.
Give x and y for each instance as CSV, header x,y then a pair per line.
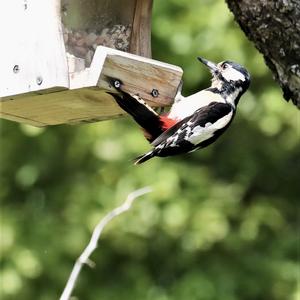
x,y
167,122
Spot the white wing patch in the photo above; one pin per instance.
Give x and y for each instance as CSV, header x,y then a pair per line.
x,y
200,134
233,74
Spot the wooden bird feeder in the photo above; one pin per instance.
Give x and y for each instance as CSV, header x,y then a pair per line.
x,y
56,55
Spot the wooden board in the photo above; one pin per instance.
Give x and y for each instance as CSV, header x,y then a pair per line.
x,y
140,75
86,101
66,107
140,42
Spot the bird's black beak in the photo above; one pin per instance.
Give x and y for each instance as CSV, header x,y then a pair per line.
x,y
212,66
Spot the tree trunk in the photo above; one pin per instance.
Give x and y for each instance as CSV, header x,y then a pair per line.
x,y
274,27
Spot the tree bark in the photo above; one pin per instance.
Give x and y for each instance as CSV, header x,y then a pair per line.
x,y
274,27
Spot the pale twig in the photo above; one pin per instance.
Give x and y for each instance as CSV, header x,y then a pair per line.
x,y
84,257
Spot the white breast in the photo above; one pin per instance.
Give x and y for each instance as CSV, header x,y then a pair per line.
x,y
188,105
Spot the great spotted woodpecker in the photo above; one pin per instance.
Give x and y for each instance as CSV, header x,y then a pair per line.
x,y
193,122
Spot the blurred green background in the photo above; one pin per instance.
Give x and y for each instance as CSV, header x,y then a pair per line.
x,y
222,223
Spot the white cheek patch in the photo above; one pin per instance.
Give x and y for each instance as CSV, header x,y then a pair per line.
x,y
233,74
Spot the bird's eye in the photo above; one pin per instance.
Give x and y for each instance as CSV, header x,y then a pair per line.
x,y
224,66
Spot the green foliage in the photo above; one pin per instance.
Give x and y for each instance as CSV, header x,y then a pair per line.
x,y
221,222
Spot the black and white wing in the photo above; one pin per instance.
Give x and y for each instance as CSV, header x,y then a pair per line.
x,y
196,131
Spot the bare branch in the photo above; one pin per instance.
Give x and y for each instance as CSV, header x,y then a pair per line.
x,y
84,257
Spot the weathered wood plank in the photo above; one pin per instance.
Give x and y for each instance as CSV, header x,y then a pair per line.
x,y
66,107
87,101
141,30
140,75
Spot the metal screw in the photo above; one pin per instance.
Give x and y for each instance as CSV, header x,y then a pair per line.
x,y
39,80
16,69
155,93
117,84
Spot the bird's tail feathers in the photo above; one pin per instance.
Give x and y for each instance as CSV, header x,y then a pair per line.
x,y
144,157
142,113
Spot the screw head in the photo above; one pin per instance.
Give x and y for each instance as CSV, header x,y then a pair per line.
x,y
155,93
117,84
39,80
16,69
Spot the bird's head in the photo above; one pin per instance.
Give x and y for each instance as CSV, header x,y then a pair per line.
x,y
230,78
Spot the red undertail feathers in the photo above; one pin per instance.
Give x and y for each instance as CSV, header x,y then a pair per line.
x,y
167,122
